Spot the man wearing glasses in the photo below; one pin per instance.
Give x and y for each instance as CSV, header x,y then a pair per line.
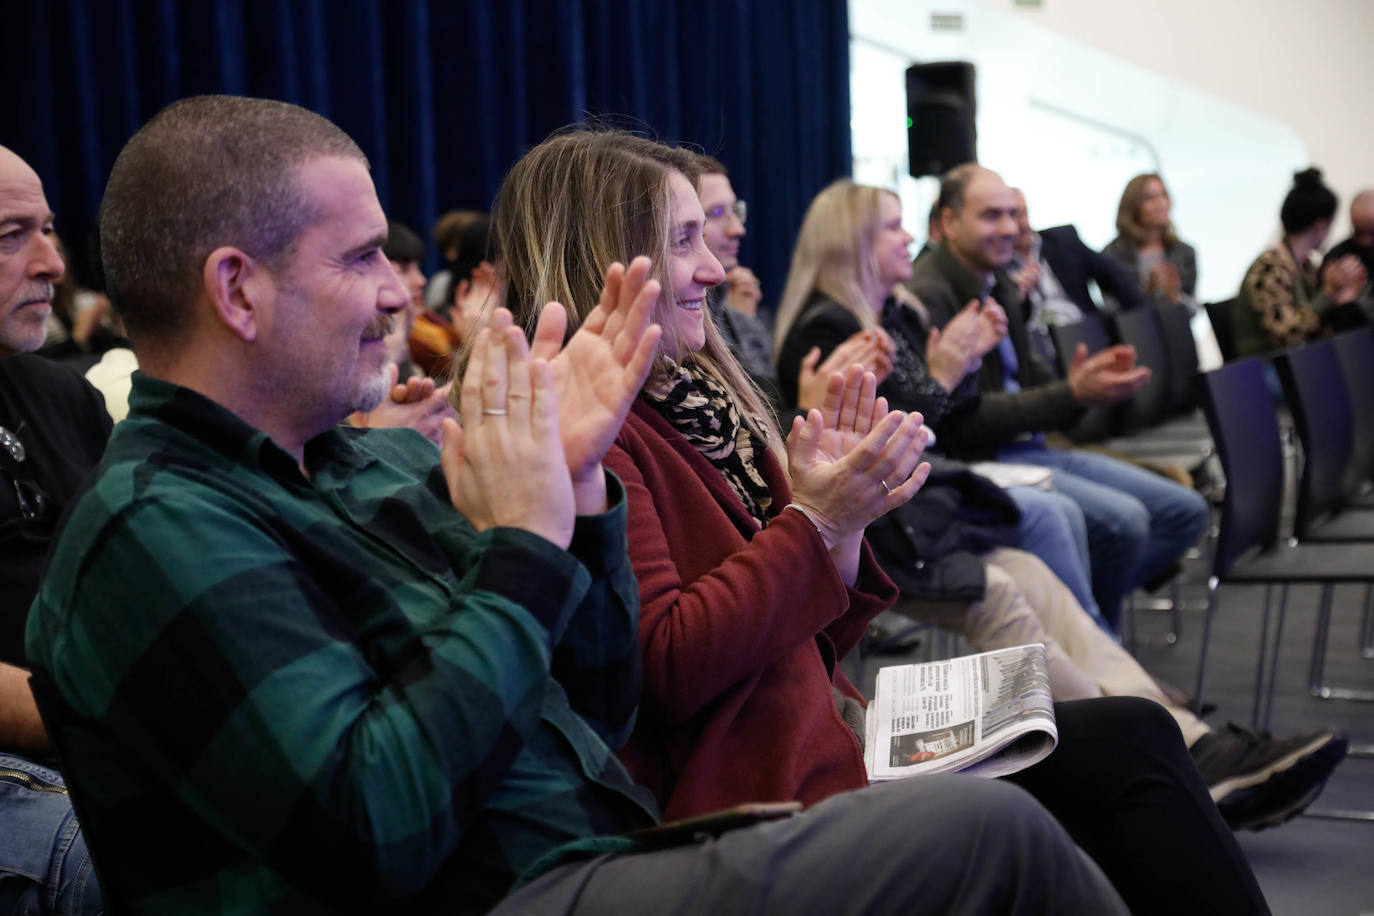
x,y
735,303
53,428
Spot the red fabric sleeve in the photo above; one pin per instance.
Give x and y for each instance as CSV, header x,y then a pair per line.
x,y
700,638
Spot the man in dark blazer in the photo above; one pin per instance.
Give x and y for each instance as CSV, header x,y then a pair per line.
x,y
1052,269
1071,264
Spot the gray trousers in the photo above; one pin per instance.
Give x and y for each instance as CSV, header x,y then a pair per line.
x,y
934,844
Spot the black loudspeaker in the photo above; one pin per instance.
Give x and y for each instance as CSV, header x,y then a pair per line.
x,y
941,106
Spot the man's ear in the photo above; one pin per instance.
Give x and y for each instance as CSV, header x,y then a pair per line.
x,y
238,288
948,219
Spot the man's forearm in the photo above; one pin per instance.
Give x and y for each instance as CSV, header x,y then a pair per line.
x,y
20,726
597,659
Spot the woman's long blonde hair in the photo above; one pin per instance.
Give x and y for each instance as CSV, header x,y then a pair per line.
x,y
1128,212
583,200
834,256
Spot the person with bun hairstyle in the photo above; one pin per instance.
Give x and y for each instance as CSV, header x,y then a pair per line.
x,y
1282,302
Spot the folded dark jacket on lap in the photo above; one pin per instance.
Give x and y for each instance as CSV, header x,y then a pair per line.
x,y
933,546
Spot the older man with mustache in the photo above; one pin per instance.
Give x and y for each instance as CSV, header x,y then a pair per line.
x,y
53,428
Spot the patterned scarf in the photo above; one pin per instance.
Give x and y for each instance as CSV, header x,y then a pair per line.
x,y
699,407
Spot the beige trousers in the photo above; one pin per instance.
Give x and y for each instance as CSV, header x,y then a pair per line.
x,y
1027,603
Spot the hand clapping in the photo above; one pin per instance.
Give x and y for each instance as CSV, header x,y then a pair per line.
x,y
853,460
743,291
1106,377
954,351
505,466
1164,281
872,349
599,372
417,403
1343,279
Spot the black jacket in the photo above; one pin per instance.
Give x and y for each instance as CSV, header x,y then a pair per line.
x,y
933,546
1074,264
62,424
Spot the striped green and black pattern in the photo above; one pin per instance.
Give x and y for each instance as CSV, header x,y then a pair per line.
x,y
290,694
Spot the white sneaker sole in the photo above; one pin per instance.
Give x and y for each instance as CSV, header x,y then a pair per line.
x,y
1255,777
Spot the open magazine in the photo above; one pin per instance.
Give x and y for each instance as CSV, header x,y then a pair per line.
x,y
989,714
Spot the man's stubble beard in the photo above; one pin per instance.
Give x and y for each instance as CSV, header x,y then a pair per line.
x,y
372,390
24,329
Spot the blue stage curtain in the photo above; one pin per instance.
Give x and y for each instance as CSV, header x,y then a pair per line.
x,y
443,96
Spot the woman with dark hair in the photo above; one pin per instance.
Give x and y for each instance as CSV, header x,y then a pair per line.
x,y
1281,301
423,342
1147,243
468,279
754,578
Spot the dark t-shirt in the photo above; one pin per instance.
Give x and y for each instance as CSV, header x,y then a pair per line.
x,y
61,425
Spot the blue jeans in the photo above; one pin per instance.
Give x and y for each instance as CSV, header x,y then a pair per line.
x,y
44,866
1138,523
1053,528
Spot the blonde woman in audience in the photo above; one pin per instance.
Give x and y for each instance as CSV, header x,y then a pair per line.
x,y
1148,244
754,578
847,273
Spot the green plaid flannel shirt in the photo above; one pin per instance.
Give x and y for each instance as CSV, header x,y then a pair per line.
x,y
282,694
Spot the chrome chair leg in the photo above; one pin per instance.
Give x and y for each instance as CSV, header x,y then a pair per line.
x,y
1176,629
1260,663
1213,602
1340,814
1316,677
1128,623
1274,660
1367,624
1317,666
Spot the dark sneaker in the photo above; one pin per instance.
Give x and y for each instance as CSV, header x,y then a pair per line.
x,y
1268,804
1257,780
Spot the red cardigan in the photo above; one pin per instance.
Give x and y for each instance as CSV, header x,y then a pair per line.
x,y
740,630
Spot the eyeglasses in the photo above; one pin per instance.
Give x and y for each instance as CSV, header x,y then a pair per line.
x,y
739,208
27,493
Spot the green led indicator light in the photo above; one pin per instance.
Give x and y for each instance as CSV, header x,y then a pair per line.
x,y
908,122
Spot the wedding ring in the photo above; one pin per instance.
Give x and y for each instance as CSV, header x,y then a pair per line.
x,y
885,486
494,411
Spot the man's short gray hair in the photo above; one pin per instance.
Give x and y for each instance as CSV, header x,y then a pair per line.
x,y
205,172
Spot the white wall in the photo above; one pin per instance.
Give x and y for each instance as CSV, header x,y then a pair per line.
x,y
1227,155
1309,64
